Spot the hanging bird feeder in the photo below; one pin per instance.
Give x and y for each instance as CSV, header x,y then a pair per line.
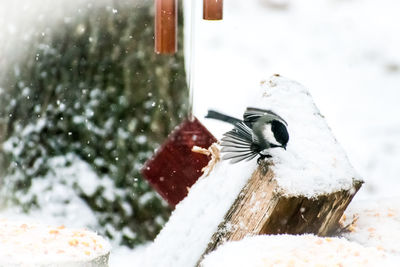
x,y
175,167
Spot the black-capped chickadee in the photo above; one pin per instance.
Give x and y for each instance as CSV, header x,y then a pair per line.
x,y
259,131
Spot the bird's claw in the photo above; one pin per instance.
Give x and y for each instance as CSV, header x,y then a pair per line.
x,y
262,158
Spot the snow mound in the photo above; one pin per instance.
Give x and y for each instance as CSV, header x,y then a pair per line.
x,y
314,163
23,244
289,250
375,223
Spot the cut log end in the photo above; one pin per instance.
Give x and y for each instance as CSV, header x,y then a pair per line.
x,y
262,208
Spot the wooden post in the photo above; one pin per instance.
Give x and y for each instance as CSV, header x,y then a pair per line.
x,y
265,207
261,209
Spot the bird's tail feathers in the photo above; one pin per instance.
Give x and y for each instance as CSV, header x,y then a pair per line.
x,y
212,114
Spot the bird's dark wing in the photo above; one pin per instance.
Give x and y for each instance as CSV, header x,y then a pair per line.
x,y
237,143
251,115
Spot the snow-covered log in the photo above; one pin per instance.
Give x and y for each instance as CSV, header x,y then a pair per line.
x,y
262,209
304,189
31,244
296,192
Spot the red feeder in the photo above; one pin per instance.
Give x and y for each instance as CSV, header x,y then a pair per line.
x,y
175,168
165,26
212,9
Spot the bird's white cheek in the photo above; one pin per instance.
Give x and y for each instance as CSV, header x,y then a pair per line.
x,y
269,135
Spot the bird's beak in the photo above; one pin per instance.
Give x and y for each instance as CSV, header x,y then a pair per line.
x,y
284,147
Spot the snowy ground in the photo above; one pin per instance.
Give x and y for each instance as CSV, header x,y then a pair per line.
x,y
344,51
299,251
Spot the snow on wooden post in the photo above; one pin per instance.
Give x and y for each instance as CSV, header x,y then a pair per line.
x,y
304,189
270,203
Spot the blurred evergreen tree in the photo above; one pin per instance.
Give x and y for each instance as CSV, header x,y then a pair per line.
x,y
93,87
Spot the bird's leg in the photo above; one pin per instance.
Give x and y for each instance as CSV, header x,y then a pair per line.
x,y
263,163
262,158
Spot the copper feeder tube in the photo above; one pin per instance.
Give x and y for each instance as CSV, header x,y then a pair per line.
x,y
166,24
212,9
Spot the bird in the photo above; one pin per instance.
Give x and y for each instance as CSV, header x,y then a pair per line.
x,y
259,131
